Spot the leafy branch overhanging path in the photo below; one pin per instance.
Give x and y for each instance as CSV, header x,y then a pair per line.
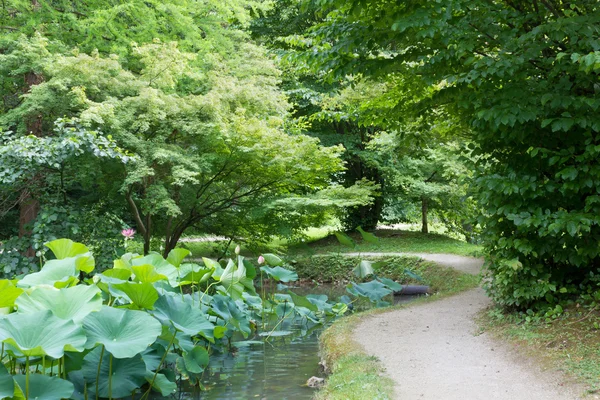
x,y
433,350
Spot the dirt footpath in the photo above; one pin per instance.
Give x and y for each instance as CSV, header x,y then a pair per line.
x,y
433,351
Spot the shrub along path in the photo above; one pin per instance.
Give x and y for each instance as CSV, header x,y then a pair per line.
x,y
433,350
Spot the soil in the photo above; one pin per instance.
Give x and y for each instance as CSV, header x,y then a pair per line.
x,y
434,351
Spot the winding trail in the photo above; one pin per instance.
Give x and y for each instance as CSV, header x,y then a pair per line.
x,y
433,350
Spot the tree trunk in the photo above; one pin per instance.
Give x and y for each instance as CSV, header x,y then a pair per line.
x,y
424,227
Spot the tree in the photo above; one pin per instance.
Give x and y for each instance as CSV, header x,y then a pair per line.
x,y
523,77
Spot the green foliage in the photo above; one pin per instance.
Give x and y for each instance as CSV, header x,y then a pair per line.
x,y
105,335
522,79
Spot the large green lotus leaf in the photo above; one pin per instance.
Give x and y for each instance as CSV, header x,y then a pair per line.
x,y
41,333
142,295
176,256
114,275
45,387
374,290
217,269
395,286
234,281
162,266
193,273
250,268
128,374
300,301
173,311
7,384
8,293
161,383
124,333
66,248
227,309
70,303
56,273
272,260
147,274
196,360
280,274
363,269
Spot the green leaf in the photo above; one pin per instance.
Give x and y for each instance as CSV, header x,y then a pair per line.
x,y
70,303
161,265
142,295
173,311
41,333
7,384
128,374
8,293
147,274
58,273
344,239
45,387
124,333
367,237
161,384
373,290
193,273
66,248
395,286
177,255
300,301
272,260
280,274
196,360
227,309
363,269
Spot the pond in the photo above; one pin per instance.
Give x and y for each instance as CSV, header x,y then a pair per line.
x,y
273,370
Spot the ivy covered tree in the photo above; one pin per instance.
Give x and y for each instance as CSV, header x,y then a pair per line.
x,y
523,76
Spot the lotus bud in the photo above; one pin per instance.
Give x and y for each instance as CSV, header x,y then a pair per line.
x,y
261,260
237,249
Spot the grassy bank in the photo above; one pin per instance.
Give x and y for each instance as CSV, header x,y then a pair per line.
x,y
353,373
570,343
390,241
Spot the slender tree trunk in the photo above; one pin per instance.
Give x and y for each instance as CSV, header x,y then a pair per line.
x,y
424,227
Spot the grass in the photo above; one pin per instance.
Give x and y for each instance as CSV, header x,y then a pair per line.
x,y
390,241
570,343
353,373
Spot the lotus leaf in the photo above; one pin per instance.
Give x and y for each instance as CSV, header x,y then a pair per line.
x,y
234,281
66,248
196,360
172,310
272,260
395,286
7,384
8,293
228,310
162,266
193,273
44,387
147,274
374,290
363,269
128,374
367,237
161,383
142,295
218,270
176,256
344,239
58,273
41,333
70,303
124,333
280,274
300,301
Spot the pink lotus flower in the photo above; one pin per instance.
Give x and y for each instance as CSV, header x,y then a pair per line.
x,y
128,233
261,260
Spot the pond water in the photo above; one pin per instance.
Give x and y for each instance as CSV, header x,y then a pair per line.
x,y
276,369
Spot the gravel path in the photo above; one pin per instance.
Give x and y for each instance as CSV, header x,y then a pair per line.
x,y
432,351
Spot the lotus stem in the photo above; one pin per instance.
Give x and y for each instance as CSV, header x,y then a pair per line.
x,y
64,368
110,359
2,354
44,365
280,321
98,373
162,360
27,378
